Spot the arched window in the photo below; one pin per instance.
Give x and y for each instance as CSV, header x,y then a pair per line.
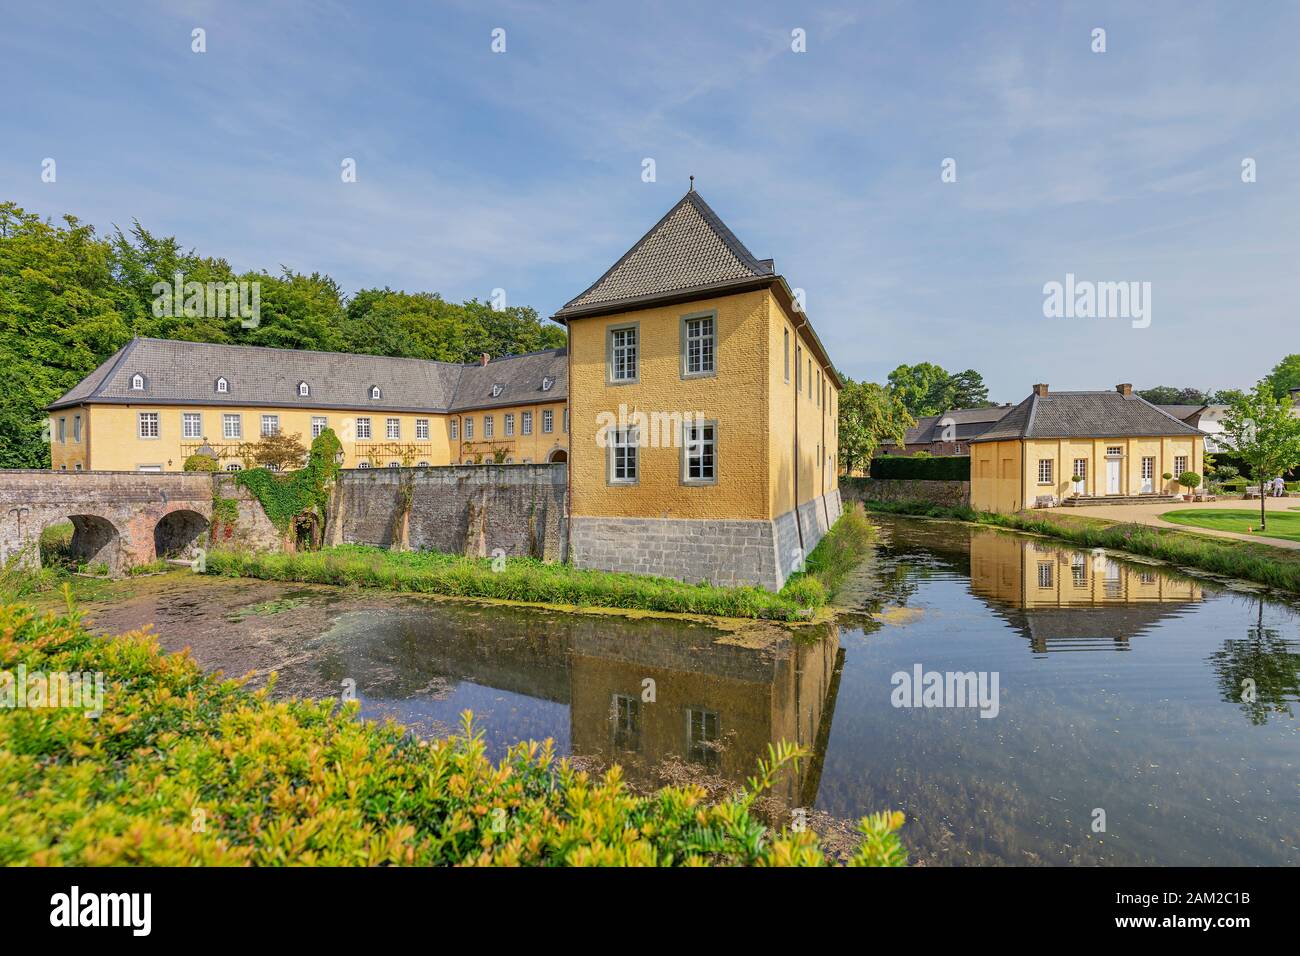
x,y
363,464
376,392
303,389
424,464
137,382
222,386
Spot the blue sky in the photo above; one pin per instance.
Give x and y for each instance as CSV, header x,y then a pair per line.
x,y
522,170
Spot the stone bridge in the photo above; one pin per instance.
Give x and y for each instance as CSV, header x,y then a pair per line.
x,y
119,518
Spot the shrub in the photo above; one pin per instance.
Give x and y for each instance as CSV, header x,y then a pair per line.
x,y
901,468
197,462
185,769
1189,479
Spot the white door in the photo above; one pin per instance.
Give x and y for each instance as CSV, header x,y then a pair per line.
x,y
1112,476
1148,475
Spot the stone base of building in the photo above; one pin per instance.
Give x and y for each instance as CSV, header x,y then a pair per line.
x,y
721,551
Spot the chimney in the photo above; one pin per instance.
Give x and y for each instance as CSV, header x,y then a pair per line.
x,y
484,358
1040,389
1126,389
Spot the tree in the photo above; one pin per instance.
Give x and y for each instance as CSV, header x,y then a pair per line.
x,y
1227,396
1169,395
1285,376
928,389
279,451
1265,436
968,390
870,415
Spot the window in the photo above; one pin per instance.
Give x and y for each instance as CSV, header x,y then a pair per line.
x,y
1044,574
700,453
698,345
819,388
547,382
148,424
394,464
234,466
223,386
77,466
63,430
497,390
622,354
76,428
566,419
1079,571
191,425
548,421
702,737
423,464
137,382
304,389
798,367
625,711
152,469
270,425
510,423
318,425
363,428
363,464
393,428
1045,471
232,426
785,352
810,378
489,426
1080,468
1180,465
622,455
1148,468
376,392
526,423
469,428
1114,451
422,429
455,429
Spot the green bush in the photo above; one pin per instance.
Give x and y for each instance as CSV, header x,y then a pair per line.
x,y
198,462
902,468
185,769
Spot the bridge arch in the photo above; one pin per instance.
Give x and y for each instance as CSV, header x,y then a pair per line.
x,y
178,533
95,540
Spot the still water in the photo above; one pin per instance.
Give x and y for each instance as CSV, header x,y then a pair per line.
x,y
1121,734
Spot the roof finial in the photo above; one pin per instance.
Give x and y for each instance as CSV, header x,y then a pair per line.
x,y
692,189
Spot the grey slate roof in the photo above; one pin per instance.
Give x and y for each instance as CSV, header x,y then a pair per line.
x,y
689,248
186,373
1086,415
1183,412
967,422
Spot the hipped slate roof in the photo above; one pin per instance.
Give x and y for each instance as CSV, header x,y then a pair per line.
x,y
1085,415
688,254
967,422
186,373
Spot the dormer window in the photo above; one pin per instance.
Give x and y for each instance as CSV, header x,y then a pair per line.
x,y
376,392
497,390
223,386
547,383
137,382
304,390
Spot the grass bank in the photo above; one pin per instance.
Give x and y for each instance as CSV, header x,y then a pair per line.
x,y
533,581
184,769
1281,524
1274,567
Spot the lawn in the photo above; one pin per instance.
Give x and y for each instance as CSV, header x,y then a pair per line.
x,y
1280,524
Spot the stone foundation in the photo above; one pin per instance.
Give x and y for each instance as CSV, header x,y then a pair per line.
x,y
723,552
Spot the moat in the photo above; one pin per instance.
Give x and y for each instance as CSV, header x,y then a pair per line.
x,y
1120,693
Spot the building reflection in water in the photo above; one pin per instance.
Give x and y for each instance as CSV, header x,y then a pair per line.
x,y
1063,599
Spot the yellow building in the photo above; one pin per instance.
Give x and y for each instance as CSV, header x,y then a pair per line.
x,y
156,402
1116,442
704,410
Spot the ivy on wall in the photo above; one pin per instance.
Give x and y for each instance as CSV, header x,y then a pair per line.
x,y
285,497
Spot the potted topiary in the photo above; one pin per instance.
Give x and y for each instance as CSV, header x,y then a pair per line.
x,y
1168,477
1189,480
1078,484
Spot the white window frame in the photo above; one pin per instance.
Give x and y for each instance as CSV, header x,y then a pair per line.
x,y
234,466
76,429
376,392
223,386
234,419
469,428
422,429
154,422
137,382
623,354
318,424
526,423
270,425
393,429
510,424
455,429
548,421
304,390
489,427
63,430
786,353
1179,469
699,331
363,428
624,456
194,419
1046,468
701,450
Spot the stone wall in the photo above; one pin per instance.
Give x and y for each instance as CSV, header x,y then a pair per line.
x,y
252,528
950,494
458,509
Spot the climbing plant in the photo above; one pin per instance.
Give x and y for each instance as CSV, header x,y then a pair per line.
x,y
285,497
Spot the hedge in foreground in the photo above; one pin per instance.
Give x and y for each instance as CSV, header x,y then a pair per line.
x,y
183,768
527,579
1260,563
